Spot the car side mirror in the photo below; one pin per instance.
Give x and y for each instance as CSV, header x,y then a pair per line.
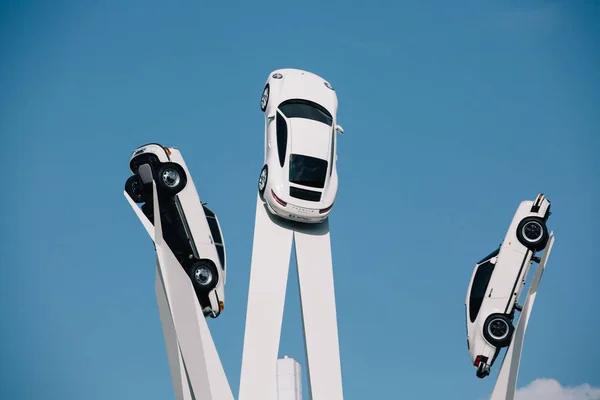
x,y
339,129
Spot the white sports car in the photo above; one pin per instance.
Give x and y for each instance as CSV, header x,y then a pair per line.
x,y
190,229
497,281
299,178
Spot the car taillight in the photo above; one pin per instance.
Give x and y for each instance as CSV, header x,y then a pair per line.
x,y
277,199
221,306
477,361
323,211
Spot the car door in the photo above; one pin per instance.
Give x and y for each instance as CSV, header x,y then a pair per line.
x,y
511,264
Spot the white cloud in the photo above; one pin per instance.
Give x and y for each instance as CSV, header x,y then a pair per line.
x,y
549,389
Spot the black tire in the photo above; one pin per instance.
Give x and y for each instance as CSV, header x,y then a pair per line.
x,y
171,178
204,276
532,233
262,184
135,189
264,98
498,330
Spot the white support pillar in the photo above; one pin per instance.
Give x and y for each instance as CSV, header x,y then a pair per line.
x,y
506,383
181,385
268,280
196,369
317,294
271,253
289,379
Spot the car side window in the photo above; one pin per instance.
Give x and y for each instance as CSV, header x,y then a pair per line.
x,y
221,252
479,288
215,231
282,136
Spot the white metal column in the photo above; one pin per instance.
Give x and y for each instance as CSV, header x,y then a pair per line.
x,y
271,253
268,280
317,294
289,379
196,369
506,383
178,376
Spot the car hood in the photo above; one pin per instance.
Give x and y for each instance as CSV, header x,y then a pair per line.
x,y
309,87
310,138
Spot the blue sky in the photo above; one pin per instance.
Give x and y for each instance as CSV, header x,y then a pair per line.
x,y
454,112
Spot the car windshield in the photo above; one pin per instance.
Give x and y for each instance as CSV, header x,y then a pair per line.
x,y
308,171
306,109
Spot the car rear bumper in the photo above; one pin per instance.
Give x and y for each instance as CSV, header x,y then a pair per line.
x,y
294,213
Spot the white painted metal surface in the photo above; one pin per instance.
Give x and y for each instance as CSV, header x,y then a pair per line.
x,y
268,280
289,379
506,382
266,296
178,375
196,369
317,298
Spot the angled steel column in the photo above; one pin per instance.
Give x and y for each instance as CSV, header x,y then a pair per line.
x,y
269,268
268,280
317,294
506,383
195,366
181,385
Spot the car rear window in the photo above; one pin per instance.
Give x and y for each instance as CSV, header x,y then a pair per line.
x,y
308,171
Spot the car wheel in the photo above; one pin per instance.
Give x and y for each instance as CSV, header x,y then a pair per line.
x,y
262,180
204,275
171,178
532,233
498,330
135,189
264,99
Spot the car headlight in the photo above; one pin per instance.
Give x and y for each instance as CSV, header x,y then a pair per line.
x,y
328,85
277,75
